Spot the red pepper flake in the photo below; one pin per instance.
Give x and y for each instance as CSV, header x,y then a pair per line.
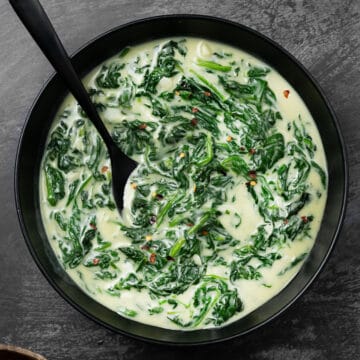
x,y
145,247
194,121
142,126
204,233
286,221
242,148
252,174
93,226
152,219
207,93
194,110
152,258
252,151
304,219
159,196
170,258
104,169
286,93
95,261
190,224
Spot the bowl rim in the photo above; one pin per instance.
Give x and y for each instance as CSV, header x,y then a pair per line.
x,y
344,170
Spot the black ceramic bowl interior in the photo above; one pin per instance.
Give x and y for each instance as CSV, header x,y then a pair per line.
x,y
39,120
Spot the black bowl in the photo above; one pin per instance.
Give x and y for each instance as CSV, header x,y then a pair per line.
x,y
39,121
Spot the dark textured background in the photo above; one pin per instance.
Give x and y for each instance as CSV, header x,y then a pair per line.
x,y
324,323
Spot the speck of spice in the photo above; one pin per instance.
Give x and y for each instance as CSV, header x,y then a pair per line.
x,y
286,93
194,121
304,219
252,174
152,258
159,196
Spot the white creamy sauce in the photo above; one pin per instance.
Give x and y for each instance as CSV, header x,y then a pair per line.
x,y
253,293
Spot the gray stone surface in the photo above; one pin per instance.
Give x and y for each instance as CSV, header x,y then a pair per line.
x,y
324,323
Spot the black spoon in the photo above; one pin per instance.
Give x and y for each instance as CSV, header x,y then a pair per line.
x,y
33,16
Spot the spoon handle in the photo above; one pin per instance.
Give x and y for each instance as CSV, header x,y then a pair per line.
x,y
34,18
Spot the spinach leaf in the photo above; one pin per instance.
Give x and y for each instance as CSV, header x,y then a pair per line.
x,y
55,185
237,164
156,310
213,294
127,94
272,150
210,65
174,130
59,218
179,277
127,312
257,72
70,246
134,254
130,282
59,142
236,89
166,66
293,263
133,136
109,76
321,172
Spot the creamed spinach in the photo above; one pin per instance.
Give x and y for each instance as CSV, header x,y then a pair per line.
x,y
224,205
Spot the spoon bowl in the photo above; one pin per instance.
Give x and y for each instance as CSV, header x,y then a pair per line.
x,y
121,167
